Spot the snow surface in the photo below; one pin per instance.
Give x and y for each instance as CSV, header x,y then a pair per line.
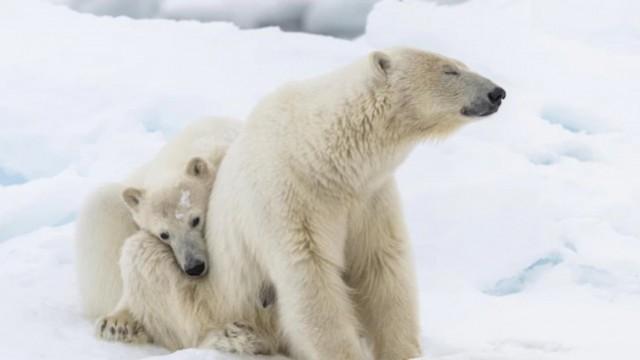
x,y
525,226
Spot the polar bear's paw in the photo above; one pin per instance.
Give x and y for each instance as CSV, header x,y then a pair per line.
x,y
237,337
121,327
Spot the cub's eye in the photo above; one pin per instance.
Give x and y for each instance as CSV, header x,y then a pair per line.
x,y
451,72
195,222
164,236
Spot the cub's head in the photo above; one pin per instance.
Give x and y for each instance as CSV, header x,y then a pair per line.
x,y
175,214
435,94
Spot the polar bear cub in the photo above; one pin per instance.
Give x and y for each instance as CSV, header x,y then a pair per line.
x,y
172,216
105,220
128,234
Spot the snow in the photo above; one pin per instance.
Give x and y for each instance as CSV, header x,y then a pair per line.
x,y
525,226
331,17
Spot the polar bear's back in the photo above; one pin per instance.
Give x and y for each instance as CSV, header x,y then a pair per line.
x,y
208,139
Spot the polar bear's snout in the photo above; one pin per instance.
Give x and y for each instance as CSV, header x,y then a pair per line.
x,y
486,103
496,95
196,268
190,253
194,265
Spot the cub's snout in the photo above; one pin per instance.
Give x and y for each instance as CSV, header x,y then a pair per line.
x,y
191,254
196,268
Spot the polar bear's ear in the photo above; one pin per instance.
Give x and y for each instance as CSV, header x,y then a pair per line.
x,y
381,63
198,167
132,197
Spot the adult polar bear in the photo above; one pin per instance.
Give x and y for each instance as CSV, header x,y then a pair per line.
x,y
306,198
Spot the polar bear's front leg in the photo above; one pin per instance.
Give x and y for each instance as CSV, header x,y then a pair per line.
x,y
382,274
121,326
317,316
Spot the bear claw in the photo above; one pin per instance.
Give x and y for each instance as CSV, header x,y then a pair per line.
x,y
121,328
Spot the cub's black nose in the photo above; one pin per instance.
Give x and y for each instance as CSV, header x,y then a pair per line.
x,y
195,268
496,95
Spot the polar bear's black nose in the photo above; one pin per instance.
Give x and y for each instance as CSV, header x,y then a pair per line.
x,y
195,268
496,95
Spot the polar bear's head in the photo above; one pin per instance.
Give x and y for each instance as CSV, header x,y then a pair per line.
x,y
175,214
435,94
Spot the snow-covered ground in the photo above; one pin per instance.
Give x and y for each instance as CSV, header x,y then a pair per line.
x,y
526,225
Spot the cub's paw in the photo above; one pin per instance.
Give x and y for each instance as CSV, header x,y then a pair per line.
x,y
121,327
244,339
237,337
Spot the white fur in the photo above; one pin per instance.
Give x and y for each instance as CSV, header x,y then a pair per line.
x,y
104,222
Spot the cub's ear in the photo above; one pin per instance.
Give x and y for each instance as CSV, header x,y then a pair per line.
x,y
381,63
198,167
132,197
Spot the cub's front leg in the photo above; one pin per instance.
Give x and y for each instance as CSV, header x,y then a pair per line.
x,y
121,326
